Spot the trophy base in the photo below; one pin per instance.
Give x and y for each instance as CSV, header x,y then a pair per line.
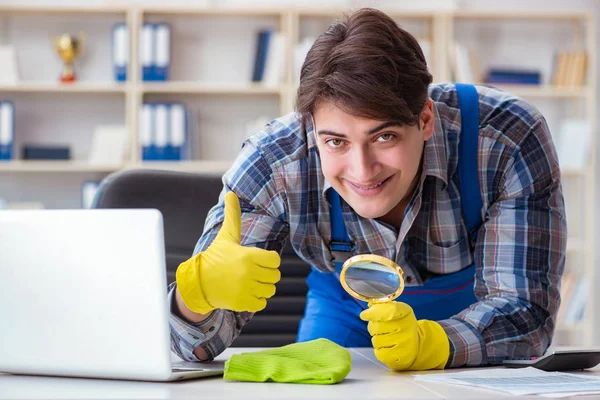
x,y
68,78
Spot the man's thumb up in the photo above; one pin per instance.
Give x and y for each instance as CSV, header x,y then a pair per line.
x,y
227,275
231,228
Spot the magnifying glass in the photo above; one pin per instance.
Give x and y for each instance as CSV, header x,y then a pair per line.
x,y
372,278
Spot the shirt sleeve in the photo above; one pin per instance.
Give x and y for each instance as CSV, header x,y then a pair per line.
x,y
263,225
519,258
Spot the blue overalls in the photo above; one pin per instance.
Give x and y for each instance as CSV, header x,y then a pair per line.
x,y
333,314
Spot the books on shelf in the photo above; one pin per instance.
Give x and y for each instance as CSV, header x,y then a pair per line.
x,y
269,58
46,152
570,68
513,76
155,51
7,130
164,132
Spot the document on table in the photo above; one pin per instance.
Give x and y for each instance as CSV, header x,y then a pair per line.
x,y
521,381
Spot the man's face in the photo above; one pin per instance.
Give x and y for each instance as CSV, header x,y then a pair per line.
x,y
373,165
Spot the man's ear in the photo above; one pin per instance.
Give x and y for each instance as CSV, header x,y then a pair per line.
x,y
426,120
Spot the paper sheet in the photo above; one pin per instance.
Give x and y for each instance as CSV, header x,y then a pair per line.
x,y
521,381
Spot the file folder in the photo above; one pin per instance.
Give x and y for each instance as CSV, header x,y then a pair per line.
x,y
162,51
161,130
147,131
120,51
177,149
7,130
147,56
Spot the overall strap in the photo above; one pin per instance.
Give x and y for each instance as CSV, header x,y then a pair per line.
x,y
470,193
468,177
341,245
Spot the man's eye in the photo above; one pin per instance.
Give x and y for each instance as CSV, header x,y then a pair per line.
x,y
386,137
334,143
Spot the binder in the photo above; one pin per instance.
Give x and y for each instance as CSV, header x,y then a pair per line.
x,y
147,132
262,49
120,51
147,56
162,51
7,130
274,64
177,147
161,130
88,193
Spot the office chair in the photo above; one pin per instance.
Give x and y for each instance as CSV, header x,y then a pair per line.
x,y
184,200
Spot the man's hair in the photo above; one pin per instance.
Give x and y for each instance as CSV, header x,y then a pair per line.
x,y
367,66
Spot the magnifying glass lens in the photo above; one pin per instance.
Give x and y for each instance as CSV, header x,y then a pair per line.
x,y
372,280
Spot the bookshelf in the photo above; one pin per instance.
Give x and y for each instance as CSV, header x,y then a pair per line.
x,y
212,56
51,87
546,34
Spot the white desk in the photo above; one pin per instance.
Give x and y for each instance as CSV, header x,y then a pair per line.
x,y
369,379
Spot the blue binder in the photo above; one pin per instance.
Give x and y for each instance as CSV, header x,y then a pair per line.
x,y
147,132
260,58
161,131
162,51
147,53
120,47
178,133
7,129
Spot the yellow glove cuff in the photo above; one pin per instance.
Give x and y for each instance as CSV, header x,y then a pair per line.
x,y
188,283
434,347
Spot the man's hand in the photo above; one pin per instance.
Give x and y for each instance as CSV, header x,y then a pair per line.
x,y
403,343
228,275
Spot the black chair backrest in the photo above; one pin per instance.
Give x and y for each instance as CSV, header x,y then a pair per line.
x,y
184,200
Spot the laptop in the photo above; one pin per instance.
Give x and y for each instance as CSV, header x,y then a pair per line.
x,y
83,293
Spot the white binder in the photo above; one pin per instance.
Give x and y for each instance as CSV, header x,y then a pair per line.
x,y
162,34
178,134
147,56
161,138
120,51
7,130
146,131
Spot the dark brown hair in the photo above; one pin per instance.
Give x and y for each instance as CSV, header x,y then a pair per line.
x,y
368,66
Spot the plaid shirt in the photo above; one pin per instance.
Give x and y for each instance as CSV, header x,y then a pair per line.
x,y
519,251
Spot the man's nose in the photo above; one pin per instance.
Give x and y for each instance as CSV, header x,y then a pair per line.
x,y
364,164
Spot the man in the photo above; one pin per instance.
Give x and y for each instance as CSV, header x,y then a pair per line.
x,y
370,128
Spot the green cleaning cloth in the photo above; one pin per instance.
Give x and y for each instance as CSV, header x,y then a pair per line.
x,y
318,361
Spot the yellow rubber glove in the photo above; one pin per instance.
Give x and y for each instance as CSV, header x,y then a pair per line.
x,y
403,343
227,275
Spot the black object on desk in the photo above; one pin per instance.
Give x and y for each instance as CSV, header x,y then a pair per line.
x,y
559,360
36,152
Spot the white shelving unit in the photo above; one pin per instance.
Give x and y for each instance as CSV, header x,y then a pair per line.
x,y
212,57
546,33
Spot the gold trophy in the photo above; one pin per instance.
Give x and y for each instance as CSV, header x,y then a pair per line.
x,y
69,47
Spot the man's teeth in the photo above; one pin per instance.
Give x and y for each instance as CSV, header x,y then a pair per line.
x,y
371,187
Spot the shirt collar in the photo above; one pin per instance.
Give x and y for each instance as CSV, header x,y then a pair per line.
x,y
435,161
